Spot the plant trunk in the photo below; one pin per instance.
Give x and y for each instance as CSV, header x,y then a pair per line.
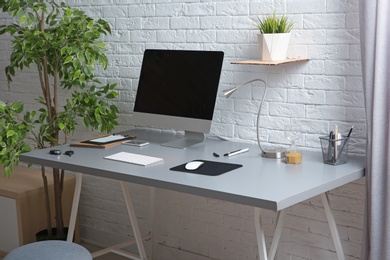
x,y
47,203
58,202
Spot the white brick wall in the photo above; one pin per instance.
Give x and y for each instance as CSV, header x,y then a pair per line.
x,y
317,94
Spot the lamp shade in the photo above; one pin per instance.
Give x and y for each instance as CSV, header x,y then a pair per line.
x,y
228,92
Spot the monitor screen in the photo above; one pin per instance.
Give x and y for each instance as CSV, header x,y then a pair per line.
x,y
177,89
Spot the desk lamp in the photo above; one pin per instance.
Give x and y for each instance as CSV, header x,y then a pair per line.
x,y
274,153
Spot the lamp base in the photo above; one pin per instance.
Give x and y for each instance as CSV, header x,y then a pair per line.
x,y
277,153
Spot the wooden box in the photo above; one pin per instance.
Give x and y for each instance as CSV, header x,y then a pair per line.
x,y
22,210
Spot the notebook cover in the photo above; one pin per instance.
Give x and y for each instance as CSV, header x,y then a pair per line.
x,y
210,168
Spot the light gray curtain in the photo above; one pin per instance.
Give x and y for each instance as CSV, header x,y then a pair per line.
x,y
375,50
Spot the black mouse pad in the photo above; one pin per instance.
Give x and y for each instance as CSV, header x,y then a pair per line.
x,y
210,168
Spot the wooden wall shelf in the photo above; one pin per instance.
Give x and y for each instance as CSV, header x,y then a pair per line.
x,y
272,63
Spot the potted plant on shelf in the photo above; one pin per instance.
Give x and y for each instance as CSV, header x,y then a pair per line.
x,y
64,44
274,37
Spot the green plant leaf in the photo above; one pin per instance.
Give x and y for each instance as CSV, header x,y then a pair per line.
x,y
90,24
68,59
7,171
23,19
76,74
273,24
65,50
10,133
17,106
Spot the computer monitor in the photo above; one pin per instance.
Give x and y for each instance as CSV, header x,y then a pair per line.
x,y
177,90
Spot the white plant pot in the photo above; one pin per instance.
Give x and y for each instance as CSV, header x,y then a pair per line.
x,y
273,47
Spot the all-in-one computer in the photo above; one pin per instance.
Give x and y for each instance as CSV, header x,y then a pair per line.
x,y
177,90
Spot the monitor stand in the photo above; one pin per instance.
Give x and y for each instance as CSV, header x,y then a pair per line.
x,y
189,139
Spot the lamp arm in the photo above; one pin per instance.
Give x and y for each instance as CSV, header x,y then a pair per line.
x,y
229,92
258,115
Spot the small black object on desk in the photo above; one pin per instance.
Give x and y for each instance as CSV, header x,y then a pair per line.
x,y
69,153
55,152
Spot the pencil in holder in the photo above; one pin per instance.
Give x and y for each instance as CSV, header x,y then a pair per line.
x,y
334,151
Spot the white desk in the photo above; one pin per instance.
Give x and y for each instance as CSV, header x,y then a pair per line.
x,y
261,183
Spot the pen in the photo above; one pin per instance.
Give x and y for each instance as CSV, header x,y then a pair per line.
x,y
350,131
345,142
236,152
330,145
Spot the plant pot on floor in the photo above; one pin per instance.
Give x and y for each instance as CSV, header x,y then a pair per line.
x,y
273,46
43,235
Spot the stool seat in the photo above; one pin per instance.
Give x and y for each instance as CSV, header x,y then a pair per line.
x,y
49,250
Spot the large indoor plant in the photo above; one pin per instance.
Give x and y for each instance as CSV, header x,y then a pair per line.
x,y
64,44
274,36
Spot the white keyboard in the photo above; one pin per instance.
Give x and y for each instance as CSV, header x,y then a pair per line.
x,y
134,158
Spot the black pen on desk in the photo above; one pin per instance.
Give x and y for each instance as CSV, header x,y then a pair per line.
x,y
236,152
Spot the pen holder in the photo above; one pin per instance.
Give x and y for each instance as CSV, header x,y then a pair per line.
x,y
334,152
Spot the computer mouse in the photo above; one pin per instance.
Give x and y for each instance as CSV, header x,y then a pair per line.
x,y
191,166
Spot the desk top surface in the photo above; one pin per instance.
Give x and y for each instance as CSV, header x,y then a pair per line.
x,y
261,182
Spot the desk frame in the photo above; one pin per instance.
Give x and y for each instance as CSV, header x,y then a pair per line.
x,y
295,183
117,249
279,227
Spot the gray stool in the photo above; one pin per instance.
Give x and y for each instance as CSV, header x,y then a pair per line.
x,y
49,250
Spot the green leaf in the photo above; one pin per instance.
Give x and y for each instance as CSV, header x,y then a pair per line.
x,y
23,19
19,13
48,36
113,94
17,106
7,171
82,78
68,59
63,50
90,24
101,44
10,133
76,74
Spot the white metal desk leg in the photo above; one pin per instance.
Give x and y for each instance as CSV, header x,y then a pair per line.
x,y
333,227
133,220
277,234
260,235
152,194
75,207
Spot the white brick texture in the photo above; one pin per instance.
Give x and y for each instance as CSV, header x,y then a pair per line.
x,y
316,94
